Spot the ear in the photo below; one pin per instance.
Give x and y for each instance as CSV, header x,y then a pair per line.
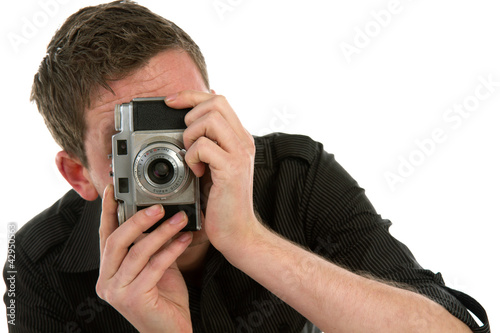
x,y
212,92
76,175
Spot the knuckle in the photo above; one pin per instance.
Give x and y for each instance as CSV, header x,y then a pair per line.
x,y
164,232
155,264
250,137
249,159
114,296
251,149
140,221
191,157
189,118
214,117
202,143
110,242
103,292
246,154
191,132
188,158
183,93
186,134
99,290
220,99
186,96
134,253
135,220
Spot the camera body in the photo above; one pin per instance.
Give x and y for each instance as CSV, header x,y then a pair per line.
x,y
148,162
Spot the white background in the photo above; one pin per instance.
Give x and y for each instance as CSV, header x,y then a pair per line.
x,y
281,65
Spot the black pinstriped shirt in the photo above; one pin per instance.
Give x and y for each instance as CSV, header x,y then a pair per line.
x,y
300,191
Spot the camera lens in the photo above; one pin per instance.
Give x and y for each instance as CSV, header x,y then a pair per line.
x,y
160,171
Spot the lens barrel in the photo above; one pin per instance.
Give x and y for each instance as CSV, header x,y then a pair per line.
x,y
160,171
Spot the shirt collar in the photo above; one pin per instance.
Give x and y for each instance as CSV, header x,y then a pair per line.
x,y
81,251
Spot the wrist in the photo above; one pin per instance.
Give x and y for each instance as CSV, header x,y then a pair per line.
x,y
240,247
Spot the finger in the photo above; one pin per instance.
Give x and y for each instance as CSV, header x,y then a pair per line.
x,y
109,219
140,254
204,102
160,262
206,151
116,245
213,126
187,99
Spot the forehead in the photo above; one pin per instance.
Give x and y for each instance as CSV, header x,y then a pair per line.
x,y
165,74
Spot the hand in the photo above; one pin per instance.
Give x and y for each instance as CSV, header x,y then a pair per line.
x,y
143,283
216,138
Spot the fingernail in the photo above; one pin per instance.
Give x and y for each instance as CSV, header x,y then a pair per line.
x,y
184,237
171,98
153,210
177,218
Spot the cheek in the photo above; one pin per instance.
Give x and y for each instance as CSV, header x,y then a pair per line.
x,y
100,165
101,176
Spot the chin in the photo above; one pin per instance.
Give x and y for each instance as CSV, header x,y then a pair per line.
x,y
199,237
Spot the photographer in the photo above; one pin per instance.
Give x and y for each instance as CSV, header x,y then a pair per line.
x,y
289,242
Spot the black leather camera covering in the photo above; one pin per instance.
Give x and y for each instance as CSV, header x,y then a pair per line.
x,y
156,115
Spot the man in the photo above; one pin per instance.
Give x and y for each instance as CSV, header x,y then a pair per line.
x,y
289,242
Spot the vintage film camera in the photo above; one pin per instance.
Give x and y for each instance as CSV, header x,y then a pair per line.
x,y
148,162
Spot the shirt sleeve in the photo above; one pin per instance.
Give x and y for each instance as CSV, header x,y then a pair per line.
x,y
34,306
343,226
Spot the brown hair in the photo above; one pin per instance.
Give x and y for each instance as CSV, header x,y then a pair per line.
x,y
95,45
